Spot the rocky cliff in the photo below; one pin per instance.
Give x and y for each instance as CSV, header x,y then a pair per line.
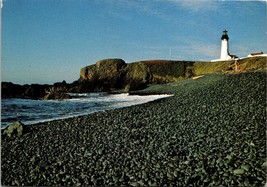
x,y
115,74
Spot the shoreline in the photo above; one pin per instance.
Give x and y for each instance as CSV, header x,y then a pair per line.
x,y
129,103
187,139
70,119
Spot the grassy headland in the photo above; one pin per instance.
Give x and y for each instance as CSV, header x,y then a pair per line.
x,y
114,75
211,132
136,75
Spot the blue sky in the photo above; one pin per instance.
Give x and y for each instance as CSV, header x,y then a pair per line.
x,y
47,41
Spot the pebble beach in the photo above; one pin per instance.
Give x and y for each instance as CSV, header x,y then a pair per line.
x,y
211,132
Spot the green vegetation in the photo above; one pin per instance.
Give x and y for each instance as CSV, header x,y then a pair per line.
x,y
201,68
253,64
246,64
165,71
166,67
184,85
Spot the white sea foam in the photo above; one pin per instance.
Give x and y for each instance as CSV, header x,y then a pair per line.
x,y
35,111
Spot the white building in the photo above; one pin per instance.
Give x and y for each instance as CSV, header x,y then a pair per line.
x,y
225,55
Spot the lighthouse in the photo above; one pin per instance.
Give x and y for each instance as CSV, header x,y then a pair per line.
x,y
225,46
225,55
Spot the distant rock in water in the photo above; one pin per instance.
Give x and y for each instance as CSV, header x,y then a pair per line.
x,y
8,89
56,93
35,91
15,129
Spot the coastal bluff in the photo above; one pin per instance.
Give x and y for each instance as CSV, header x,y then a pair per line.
x,y
115,75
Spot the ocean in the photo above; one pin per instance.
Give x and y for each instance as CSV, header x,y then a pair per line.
x,y
34,111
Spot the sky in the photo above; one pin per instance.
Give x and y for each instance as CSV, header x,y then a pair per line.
x,y
47,41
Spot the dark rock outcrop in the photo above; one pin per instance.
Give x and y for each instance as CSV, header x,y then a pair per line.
x,y
134,76
165,71
9,89
137,72
108,71
137,77
35,91
111,74
56,93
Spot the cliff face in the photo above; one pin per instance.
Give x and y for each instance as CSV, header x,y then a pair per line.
x,y
107,71
116,74
165,71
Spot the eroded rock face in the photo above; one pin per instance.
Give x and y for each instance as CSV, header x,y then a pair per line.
x,y
15,129
138,72
137,76
88,72
111,71
115,73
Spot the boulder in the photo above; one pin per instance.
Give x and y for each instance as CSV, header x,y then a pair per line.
x,y
56,93
16,129
57,96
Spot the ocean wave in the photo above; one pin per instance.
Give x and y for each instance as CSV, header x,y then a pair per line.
x,y
36,111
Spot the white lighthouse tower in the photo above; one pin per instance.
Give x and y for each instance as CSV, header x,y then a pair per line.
x,y
225,55
225,46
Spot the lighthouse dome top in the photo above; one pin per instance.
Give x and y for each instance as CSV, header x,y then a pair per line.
x,y
225,35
